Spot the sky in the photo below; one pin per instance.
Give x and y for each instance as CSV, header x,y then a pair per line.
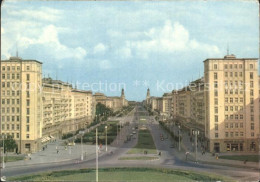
x,y
106,46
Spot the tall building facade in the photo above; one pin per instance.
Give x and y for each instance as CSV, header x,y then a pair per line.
x,y
231,103
21,102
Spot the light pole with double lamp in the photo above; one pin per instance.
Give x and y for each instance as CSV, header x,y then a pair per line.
x,y
81,133
106,137
179,138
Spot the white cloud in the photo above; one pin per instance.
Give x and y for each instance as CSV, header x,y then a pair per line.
x,y
43,13
168,39
99,48
105,64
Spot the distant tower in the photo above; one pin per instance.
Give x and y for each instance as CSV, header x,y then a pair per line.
x,y
123,93
148,94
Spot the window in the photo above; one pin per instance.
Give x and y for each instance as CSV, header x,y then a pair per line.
x,y
252,117
7,127
231,125
17,92
231,74
236,134
12,126
17,118
18,76
216,135
216,118
28,111
216,93
27,94
216,84
226,66
3,119
3,76
3,68
226,74
236,116
8,68
8,101
235,66
216,127
236,100
231,116
236,108
241,99
28,102
252,126
27,68
226,108
226,116
252,134
236,125
13,101
240,74
240,66
3,126
231,134
241,125
17,101
13,118
230,66
215,66
8,76
3,110
3,101
241,134
13,76
226,125
28,77
251,75
215,76
231,100
17,127
231,108
226,100
27,128
251,92
17,135
216,110
17,109
216,101
251,84
226,134
251,66
251,108
251,100
235,74
3,84
27,119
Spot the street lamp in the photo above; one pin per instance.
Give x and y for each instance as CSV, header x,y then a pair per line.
x,y
106,137
179,138
196,132
3,135
82,133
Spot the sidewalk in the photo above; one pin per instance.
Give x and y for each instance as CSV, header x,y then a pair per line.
x,y
50,154
207,158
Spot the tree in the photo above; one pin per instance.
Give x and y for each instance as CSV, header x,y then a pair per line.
x,y
9,143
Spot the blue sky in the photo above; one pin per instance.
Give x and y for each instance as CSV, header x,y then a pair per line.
x,y
132,44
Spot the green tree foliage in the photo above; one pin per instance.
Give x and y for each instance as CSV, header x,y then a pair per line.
x,y
9,143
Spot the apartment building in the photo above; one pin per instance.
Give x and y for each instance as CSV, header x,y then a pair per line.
x,y
21,102
115,103
231,103
64,109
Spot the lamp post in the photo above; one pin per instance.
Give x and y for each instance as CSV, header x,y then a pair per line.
x,y
82,133
96,155
106,137
3,135
196,132
117,133
179,138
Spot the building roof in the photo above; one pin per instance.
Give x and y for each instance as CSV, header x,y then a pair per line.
x,y
18,59
230,57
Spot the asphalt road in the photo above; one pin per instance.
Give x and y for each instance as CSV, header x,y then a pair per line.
x,y
168,158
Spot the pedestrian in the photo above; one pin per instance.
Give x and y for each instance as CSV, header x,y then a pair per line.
x,y
57,151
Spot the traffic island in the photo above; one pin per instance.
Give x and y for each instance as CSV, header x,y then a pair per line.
x,y
123,174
